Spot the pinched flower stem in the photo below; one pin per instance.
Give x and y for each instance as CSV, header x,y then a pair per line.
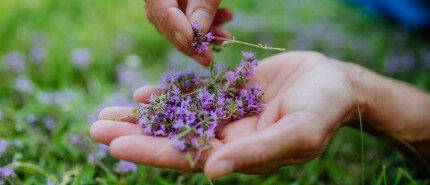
x,y
229,41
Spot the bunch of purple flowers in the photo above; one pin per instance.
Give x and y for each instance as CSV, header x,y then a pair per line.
x,y
201,40
191,107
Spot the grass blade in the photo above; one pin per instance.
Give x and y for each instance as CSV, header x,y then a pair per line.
x,y
362,146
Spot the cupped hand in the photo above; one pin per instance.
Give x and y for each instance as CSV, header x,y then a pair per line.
x,y
173,18
308,98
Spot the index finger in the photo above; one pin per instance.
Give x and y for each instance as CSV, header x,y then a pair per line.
x,y
176,27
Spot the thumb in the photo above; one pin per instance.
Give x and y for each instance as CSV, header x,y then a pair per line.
x,y
271,148
203,12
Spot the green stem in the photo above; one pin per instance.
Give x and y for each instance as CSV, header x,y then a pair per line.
x,y
362,146
228,41
30,166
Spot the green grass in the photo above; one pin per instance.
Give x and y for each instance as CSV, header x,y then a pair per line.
x,y
115,31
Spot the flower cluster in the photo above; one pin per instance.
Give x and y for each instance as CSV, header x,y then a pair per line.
x,y
5,173
201,40
190,107
125,167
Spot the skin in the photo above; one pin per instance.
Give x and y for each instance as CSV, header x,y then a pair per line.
x,y
173,19
308,96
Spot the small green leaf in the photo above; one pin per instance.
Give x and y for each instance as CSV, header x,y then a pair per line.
x,y
232,105
199,106
133,111
165,121
207,147
189,158
260,45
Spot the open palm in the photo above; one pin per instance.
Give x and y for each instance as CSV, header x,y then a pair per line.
x,y
308,98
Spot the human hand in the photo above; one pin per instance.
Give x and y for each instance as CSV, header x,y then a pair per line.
x,y
173,19
308,98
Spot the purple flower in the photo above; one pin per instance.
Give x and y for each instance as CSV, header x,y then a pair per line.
x,y
15,61
209,36
102,150
400,63
17,143
31,118
24,84
201,41
189,114
6,172
50,183
195,25
74,139
91,158
37,53
178,124
3,146
125,167
179,144
49,122
247,55
81,58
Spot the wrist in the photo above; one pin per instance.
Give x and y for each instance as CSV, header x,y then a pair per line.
x,y
363,90
390,107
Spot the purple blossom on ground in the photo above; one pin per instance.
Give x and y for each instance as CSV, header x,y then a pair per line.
x,y
102,150
3,146
24,84
81,57
17,143
55,98
74,139
189,113
125,167
49,122
15,61
91,158
30,118
50,183
37,53
201,40
400,63
5,173
128,72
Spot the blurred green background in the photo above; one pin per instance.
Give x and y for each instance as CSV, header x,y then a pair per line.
x,y
63,61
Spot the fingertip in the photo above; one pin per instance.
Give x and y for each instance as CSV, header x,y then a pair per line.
x,y
95,131
119,112
104,131
142,94
223,15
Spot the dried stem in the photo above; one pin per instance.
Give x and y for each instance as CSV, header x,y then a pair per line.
x,y
228,41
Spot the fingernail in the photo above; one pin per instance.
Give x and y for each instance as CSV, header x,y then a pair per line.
x,y
221,169
181,39
200,59
198,15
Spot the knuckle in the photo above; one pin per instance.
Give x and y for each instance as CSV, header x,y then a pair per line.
x,y
315,56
